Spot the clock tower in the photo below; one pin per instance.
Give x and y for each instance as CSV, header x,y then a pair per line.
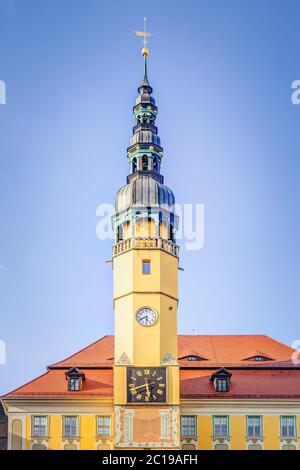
x,y
145,271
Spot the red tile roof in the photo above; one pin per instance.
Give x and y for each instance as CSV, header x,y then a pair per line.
x,y
276,378
243,384
98,382
217,349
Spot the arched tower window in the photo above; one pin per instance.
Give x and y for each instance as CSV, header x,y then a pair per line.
x,y
172,234
133,165
144,163
155,164
120,234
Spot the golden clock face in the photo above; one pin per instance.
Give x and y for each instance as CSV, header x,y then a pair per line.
x,y
146,385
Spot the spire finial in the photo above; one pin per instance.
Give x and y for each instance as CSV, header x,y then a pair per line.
x,y
145,51
145,34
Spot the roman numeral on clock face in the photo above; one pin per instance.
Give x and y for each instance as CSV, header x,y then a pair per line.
x,y
146,385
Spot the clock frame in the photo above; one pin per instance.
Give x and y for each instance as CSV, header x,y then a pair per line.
x,y
149,316
146,385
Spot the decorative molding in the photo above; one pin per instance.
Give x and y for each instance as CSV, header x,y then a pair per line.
x,y
123,360
189,443
39,441
221,443
124,423
288,444
70,441
165,424
128,426
146,292
169,359
255,443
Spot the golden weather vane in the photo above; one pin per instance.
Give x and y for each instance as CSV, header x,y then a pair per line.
x,y
145,34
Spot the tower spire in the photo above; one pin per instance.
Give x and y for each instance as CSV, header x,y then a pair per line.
x,y
145,50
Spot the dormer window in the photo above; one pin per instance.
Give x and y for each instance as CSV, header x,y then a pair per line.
x,y
74,384
258,358
192,357
221,380
75,378
222,385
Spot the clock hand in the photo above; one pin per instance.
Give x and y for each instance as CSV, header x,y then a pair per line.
x,y
142,318
141,386
148,393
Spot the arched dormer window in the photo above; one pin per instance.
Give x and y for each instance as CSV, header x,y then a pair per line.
x,y
192,358
258,358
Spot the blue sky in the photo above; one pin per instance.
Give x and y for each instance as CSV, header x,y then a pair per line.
x,y
221,73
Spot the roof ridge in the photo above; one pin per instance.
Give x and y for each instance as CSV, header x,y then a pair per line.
x,y
279,342
229,334
27,383
78,352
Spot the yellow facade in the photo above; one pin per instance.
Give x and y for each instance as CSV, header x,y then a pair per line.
x,y
271,428
204,438
204,432
55,432
237,431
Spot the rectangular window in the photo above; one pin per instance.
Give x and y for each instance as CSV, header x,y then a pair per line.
x,y
39,425
74,384
188,426
221,426
287,426
103,426
70,426
146,266
222,385
254,428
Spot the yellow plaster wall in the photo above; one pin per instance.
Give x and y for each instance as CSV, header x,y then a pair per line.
x,y
237,429
87,432
168,326
55,432
205,432
164,230
128,276
120,397
173,385
169,274
28,431
145,228
133,290
123,273
124,320
271,432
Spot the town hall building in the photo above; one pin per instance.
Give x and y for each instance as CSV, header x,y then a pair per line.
x,y
147,387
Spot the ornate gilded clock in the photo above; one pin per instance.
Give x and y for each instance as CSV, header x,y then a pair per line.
x,y
146,385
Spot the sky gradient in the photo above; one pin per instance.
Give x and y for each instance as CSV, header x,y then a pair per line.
x,y
221,73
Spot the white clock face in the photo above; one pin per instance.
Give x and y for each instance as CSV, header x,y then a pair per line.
x,y
146,316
